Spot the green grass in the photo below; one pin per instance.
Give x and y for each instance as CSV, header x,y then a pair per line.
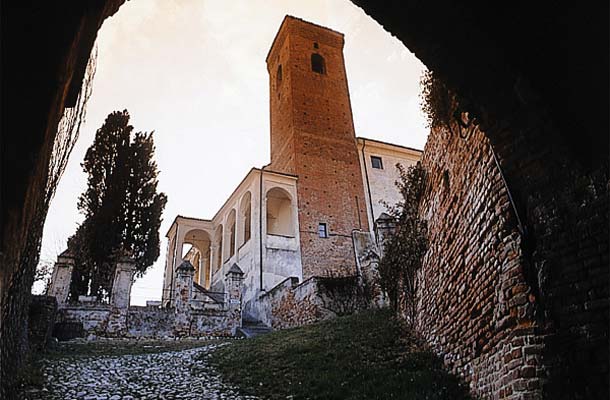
x,y
363,356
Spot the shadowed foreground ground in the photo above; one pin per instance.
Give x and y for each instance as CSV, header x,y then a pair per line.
x,y
364,356
128,370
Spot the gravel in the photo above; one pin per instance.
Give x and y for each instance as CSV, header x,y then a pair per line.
x,y
171,375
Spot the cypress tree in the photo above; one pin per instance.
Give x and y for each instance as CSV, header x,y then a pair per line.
x,y
121,206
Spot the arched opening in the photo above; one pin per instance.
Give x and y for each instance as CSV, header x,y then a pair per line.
x,y
278,75
230,236
438,46
218,247
279,213
196,250
318,64
245,216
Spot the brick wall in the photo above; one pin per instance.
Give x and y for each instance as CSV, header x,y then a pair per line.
x,y
290,304
312,136
474,304
518,312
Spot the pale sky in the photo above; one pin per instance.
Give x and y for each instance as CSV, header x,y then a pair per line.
x,y
194,72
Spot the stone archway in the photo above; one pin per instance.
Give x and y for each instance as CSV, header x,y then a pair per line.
x,y
199,254
535,74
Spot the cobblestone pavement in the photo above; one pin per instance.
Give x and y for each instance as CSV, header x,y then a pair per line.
x,y
169,375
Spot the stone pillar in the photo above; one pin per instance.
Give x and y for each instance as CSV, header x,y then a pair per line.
x,y
233,284
233,290
183,294
367,261
123,279
385,226
119,298
61,278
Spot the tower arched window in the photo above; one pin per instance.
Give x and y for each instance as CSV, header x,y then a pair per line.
x,y
317,64
279,75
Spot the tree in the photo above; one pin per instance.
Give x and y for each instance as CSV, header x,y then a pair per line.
x,y
121,206
404,250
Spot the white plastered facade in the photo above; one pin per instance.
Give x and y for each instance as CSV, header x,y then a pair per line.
x,y
379,183
212,253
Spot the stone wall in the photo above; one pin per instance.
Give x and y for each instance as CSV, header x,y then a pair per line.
x,y
102,320
474,303
291,304
92,317
150,322
41,320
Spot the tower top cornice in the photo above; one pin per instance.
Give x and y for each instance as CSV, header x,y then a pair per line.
x,y
322,33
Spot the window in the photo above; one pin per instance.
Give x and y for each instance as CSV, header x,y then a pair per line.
x,y
279,74
315,45
376,162
322,230
317,64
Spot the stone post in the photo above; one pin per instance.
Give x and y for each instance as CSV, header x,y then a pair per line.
x,y
367,261
233,283
119,298
61,278
183,294
233,290
123,279
385,226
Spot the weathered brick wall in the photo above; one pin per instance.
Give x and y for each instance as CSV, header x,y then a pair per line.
x,y
474,303
563,204
318,298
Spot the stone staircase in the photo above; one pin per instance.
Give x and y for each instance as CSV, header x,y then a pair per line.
x,y
251,328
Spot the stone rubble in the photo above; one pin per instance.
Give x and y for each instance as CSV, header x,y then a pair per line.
x,y
169,375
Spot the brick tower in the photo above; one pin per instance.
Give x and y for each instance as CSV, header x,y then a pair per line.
x,y
312,136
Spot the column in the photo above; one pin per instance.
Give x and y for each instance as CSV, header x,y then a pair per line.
x,y
61,278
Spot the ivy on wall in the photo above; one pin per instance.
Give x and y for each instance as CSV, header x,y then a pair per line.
x,y
404,250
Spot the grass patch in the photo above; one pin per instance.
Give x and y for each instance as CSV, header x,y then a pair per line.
x,y
363,356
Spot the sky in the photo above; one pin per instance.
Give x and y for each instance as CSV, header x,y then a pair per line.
x,y
193,71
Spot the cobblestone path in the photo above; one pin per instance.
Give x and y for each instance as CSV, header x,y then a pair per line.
x,y
169,375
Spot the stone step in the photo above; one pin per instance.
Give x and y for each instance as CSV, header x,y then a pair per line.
x,y
249,330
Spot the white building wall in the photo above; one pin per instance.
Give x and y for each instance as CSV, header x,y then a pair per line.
x,y
379,184
281,255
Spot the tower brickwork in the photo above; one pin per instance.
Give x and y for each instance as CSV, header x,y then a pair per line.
x,y
312,136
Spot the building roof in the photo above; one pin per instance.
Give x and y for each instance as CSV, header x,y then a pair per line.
x,y
235,270
186,265
363,139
